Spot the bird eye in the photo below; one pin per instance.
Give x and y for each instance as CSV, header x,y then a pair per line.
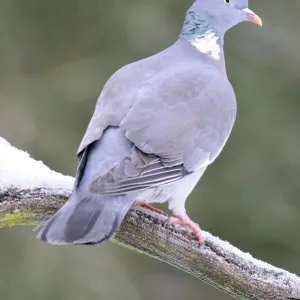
x,y
227,1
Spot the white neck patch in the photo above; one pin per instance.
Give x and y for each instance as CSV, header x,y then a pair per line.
x,y
207,44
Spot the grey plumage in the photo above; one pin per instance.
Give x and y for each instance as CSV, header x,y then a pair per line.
x,y
79,220
157,125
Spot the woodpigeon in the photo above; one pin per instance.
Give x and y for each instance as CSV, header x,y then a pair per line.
x,y
158,124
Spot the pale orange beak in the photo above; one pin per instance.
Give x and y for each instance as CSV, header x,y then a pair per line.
x,y
252,16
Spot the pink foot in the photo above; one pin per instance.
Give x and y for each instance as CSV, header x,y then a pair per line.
x,y
149,207
184,219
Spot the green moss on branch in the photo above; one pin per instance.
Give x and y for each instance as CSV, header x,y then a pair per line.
x,y
20,217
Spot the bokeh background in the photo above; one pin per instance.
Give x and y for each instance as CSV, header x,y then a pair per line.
x,y
55,57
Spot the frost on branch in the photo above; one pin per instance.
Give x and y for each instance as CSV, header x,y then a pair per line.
x,y
19,171
30,192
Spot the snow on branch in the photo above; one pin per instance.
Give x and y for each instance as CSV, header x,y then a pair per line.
x,y
30,192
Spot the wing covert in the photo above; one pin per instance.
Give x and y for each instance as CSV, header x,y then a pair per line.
x,y
191,112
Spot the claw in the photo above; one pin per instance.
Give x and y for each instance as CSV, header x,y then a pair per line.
x,y
149,207
184,219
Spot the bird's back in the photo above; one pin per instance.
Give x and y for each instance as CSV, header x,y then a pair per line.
x,y
127,85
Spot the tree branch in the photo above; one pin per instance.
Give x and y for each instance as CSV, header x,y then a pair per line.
x,y
30,193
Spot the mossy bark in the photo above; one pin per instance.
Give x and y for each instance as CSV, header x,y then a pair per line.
x,y
214,262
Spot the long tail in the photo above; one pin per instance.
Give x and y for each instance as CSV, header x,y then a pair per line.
x,y
86,220
89,218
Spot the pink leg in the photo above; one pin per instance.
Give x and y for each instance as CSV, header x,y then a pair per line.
x,y
149,207
184,219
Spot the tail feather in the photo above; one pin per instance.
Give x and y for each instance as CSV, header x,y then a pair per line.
x,y
86,220
89,218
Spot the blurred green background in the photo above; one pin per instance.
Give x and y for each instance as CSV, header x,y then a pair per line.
x,y
55,57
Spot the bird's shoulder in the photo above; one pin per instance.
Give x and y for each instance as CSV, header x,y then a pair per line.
x,y
139,90
184,115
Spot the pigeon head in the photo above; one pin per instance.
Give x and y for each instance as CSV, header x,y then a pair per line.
x,y
224,14
207,21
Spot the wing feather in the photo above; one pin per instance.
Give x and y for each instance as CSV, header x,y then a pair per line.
x,y
178,121
123,179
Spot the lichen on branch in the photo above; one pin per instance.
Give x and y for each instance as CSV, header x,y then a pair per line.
x,y
30,193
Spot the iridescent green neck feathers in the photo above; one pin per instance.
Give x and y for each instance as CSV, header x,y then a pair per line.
x,y
199,32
